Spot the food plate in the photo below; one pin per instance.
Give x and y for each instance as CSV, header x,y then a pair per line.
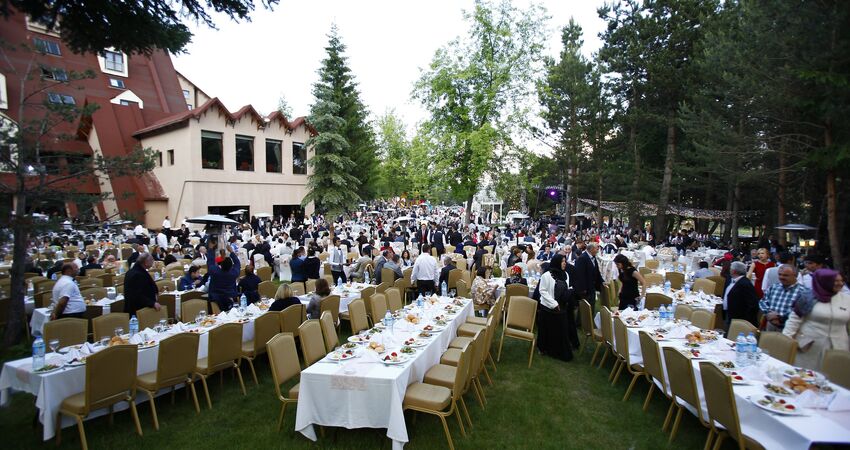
x,y
407,350
76,362
726,365
349,345
426,335
779,406
737,378
804,374
776,389
67,349
433,328
692,353
659,337
358,339
413,342
48,368
342,356
148,344
395,358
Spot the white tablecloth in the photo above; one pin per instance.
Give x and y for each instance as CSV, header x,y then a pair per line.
x,y
40,316
52,388
373,396
769,430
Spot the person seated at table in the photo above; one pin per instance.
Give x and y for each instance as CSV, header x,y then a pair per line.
x,y
393,264
818,322
284,298
248,285
516,277
483,292
297,265
359,266
110,262
546,253
56,268
515,257
140,290
67,300
703,271
406,260
91,263
448,266
223,272
629,277
778,299
191,280
169,257
31,267
323,290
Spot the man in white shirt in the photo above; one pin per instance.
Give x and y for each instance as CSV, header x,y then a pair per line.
x,y
336,259
67,300
425,272
162,239
166,227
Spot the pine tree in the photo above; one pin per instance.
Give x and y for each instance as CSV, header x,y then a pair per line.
x,y
337,85
331,186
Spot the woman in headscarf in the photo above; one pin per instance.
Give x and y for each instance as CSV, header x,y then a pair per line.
x,y
818,320
556,335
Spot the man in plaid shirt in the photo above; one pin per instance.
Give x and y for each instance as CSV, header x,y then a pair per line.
x,y
777,301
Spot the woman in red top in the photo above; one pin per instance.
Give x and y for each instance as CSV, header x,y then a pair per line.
x,y
759,268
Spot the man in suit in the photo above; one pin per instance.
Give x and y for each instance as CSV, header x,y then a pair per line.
x,y
455,238
448,266
587,280
740,300
140,290
438,241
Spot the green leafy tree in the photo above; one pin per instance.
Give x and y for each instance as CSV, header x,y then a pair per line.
x,y
285,108
394,153
476,89
89,26
331,185
340,88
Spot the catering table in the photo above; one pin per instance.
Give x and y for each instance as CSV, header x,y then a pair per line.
x,y
40,316
771,430
52,388
371,395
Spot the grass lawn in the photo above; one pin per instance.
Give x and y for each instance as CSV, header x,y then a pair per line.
x,y
552,405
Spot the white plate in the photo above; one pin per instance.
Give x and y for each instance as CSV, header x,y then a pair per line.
x,y
436,329
357,339
743,379
337,356
769,392
43,372
797,411
75,363
67,349
402,358
417,343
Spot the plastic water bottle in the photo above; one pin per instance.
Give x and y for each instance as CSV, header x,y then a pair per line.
x,y
30,289
667,287
38,353
388,317
243,302
366,277
741,351
339,282
134,325
444,288
53,277
419,301
177,298
662,313
687,288
753,348
156,276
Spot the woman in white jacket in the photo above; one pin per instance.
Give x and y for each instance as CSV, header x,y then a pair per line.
x,y
556,336
819,322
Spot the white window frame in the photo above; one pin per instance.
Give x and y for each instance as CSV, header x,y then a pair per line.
x,y
4,96
38,27
101,60
117,84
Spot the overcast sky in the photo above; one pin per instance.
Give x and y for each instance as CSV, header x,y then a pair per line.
x,y
388,43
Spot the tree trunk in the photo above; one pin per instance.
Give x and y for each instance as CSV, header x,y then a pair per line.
x,y
634,208
734,227
17,310
727,224
664,198
832,221
780,193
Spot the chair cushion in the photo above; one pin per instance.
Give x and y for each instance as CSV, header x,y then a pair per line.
x,y
441,375
451,357
475,320
75,404
293,391
513,332
460,342
147,381
468,329
427,396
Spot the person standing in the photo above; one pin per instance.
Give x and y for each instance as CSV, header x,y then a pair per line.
x,y
778,298
588,279
557,334
140,290
740,300
758,268
818,322
439,241
336,259
223,272
67,300
166,227
425,272
629,278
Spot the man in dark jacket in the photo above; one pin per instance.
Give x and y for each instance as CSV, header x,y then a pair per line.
x,y
439,241
223,275
249,284
740,300
140,290
448,266
588,279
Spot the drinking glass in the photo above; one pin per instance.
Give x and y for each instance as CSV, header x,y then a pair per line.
x,y
54,345
163,325
119,331
104,341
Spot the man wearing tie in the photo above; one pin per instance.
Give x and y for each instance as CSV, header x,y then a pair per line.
x,y
588,280
337,259
438,241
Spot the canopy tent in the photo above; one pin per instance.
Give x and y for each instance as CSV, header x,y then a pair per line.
x,y
212,219
650,209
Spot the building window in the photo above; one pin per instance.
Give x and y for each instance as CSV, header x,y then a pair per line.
x,y
299,159
46,46
244,153
159,159
273,156
113,61
116,83
185,93
4,99
171,157
127,103
212,150
60,99
55,74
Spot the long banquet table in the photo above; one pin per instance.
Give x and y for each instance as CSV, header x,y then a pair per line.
x,y
50,389
364,392
771,430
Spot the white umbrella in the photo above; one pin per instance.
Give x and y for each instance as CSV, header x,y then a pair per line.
x,y
521,216
238,212
796,227
262,214
374,212
581,214
212,219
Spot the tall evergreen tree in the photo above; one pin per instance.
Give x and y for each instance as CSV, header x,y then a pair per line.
x,y
337,85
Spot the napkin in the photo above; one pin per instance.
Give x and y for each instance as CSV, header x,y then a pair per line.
x,y
811,399
180,327
253,310
137,339
72,355
841,402
233,314
222,315
88,348
676,331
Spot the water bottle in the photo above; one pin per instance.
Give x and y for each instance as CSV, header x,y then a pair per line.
x,y
741,357
176,283
53,277
672,310
667,287
38,353
388,317
419,301
444,288
30,289
134,325
339,282
121,269
753,348
243,302
687,288
156,276
662,313
177,298
366,277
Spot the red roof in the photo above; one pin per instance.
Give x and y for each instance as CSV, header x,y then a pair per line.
x,y
179,120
